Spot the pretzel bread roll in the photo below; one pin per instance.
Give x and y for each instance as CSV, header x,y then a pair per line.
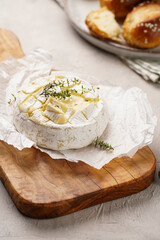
x,y
141,27
102,24
120,8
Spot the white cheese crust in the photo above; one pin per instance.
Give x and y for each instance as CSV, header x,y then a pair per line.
x,y
55,123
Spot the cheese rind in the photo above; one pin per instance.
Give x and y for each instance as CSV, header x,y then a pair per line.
x,y
61,124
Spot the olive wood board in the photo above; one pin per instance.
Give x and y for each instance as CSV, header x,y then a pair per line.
x,y
42,187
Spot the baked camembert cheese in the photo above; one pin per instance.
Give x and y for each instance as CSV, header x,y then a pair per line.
x,y
60,111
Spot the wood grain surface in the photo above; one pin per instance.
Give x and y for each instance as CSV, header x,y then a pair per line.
x,y
42,187
9,45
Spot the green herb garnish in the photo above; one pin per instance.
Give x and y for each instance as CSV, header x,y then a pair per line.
x,y
82,89
9,102
50,89
76,80
102,144
14,96
68,82
86,90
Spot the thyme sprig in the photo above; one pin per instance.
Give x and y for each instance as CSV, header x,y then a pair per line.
x,y
86,90
48,91
50,88
10,100
102,144
76,80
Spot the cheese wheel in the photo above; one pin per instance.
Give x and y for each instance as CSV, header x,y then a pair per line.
x,y
60,112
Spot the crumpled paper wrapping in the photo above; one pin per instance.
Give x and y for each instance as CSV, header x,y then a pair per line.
x,y
131,120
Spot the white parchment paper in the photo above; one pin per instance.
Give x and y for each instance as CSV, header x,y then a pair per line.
x,y
131,120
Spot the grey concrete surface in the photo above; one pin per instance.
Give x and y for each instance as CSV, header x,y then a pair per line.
x,y
41,23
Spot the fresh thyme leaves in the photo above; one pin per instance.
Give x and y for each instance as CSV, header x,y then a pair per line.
x,y
82,89
102,144
73,91
61,95
14,96
50,88
68,82
9,102
86,90
75,80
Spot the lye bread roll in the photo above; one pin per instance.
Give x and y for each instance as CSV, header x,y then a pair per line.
x,y
141,27
102,24
120,7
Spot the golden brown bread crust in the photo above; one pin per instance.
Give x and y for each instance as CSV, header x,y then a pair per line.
x,y
120,7
144,33
98,32
94,30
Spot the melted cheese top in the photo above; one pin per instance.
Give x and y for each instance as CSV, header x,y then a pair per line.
x,y
58,100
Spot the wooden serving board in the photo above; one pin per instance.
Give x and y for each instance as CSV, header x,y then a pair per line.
x,y
42,187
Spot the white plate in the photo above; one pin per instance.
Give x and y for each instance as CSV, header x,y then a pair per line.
x,y
77,10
